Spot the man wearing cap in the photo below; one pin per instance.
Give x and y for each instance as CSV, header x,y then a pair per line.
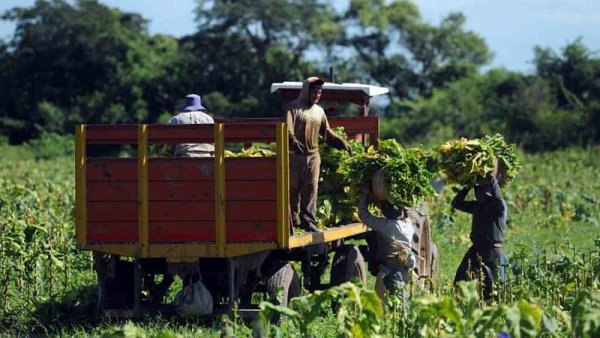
x,y
193,112
485,257
306,121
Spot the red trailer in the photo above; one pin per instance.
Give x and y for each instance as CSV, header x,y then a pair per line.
x,y
149,218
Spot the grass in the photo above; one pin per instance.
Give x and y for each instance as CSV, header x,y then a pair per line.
x,y
47,287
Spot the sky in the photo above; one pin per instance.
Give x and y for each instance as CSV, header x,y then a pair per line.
x,y
511,28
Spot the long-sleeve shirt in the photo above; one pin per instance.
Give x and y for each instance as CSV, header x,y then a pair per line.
x,y
306,121
193,149
305,125
489,217
393,235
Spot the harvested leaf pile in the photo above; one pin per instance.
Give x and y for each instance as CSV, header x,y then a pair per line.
x,y
253,151
334,205
466,162
407,172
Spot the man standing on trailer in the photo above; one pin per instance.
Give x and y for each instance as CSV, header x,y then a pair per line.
x,y
193,112
485,257
306,121
393,253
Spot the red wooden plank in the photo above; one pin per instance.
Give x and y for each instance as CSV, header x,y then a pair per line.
x,y
250,211
181,169
244,231
189,231
251,169
112,211
250,190
158,211
114,191
250,132
181,133
111,134
111,169
231,121
112,232
356,125
182,211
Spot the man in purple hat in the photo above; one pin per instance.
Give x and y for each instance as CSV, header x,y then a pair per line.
x,y
193,112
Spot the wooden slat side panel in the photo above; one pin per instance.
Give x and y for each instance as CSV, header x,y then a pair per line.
x,y
183,211
114,191
251,211
182,169
232,121
111,134
182,232
111,169
245,231
182,133
99,232
188,231
356,125
251,169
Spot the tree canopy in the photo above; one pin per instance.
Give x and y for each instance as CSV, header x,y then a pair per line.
x,y
81,61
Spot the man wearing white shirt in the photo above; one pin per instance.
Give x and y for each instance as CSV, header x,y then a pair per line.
x,y
394,238
193,112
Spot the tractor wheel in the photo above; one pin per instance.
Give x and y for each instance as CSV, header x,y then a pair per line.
x,y
434,265
283,285
115,283
348,263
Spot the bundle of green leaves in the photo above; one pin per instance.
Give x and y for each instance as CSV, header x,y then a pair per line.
x,y
466,162
407,172
334,206
508,163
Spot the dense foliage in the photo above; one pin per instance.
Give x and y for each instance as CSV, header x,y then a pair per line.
x,y
81,61
407,175
48,287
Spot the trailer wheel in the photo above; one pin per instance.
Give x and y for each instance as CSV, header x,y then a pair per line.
x,y
115,283
434,266
283,285
348,263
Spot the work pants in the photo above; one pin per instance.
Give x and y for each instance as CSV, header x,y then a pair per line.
x,y
487,264
304,185
391,280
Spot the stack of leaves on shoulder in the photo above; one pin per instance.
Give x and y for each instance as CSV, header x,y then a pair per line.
x,y
407,173
466,162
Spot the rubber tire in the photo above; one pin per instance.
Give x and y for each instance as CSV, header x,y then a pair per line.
x,y
286,278
348,263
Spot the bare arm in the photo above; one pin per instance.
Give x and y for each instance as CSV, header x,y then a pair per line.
x,y
331,138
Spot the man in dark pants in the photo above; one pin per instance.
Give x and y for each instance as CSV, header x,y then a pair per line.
x,y
306,121
485,258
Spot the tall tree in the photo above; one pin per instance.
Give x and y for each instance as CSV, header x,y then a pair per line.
x,y
397,48
243,46
81,62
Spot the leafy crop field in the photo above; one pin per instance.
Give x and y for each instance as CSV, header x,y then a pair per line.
x,y
47,287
